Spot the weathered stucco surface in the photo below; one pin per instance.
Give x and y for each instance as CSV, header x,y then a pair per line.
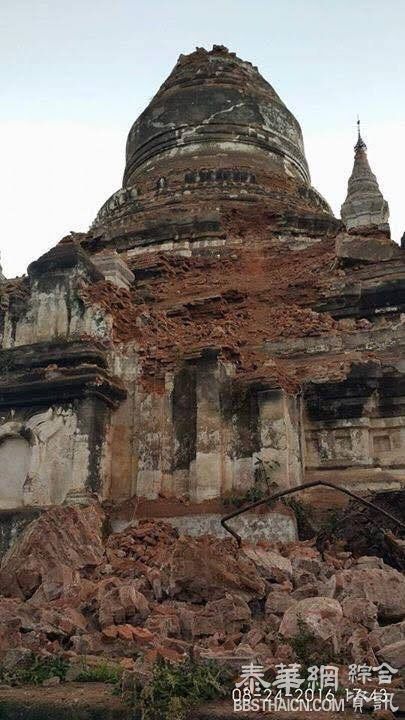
x,y
255,528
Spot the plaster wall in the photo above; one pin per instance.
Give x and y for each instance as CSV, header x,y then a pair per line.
x,y
51,314
44,456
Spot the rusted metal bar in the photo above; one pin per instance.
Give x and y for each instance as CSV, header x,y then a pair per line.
x,y
298,488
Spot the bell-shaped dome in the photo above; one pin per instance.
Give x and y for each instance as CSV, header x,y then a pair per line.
x,y
215,103
215,150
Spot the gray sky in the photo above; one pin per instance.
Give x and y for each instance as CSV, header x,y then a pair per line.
x,y
75,74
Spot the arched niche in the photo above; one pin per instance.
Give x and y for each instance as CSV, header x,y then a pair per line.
x,y
15,460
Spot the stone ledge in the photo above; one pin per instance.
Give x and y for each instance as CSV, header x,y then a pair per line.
x,y
271,527
367,249
59,352
60,260
114,269
58,386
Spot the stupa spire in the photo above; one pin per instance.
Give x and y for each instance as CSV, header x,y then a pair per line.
x,y
360,144
364,205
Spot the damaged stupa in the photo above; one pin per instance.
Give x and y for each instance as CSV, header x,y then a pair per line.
x,y
216,314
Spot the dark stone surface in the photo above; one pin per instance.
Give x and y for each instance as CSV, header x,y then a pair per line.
x,y
380,297
62,259
39,387
93,415
184,413
332,401
364,530
245,418
63,353
12,523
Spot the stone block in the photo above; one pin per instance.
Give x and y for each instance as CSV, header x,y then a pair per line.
x,y
366,249
114,269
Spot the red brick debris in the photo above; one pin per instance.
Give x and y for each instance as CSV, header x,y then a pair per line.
x,y
233,304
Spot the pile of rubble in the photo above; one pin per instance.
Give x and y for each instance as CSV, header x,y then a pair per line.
x,y
360,527
147,592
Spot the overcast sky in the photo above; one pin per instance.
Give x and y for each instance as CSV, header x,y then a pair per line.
x,y
75,74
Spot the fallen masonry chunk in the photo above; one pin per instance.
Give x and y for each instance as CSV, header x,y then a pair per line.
x,y
321,616
120,601
385,587
394,654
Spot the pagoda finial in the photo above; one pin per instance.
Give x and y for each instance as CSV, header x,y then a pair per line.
x,y
364,205
360,144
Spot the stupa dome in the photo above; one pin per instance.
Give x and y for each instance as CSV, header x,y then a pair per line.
x,y
216,140
213,102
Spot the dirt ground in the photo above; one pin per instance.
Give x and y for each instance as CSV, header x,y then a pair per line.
x,y
72,701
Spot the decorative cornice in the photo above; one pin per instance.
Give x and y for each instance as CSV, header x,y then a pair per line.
x,y
47,373
48,388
